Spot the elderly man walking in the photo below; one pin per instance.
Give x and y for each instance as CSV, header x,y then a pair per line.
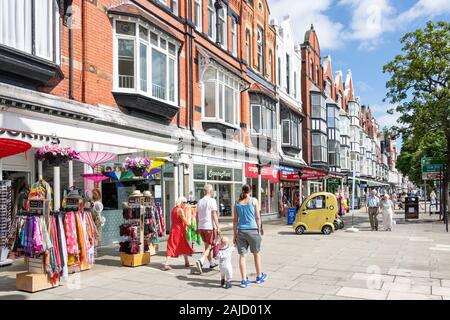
x,y
208,226
373,205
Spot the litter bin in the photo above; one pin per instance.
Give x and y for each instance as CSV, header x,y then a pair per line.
x,y
412,207
292,212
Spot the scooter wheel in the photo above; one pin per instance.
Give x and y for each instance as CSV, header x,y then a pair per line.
x,y
326,230
336,225
300,230
342,224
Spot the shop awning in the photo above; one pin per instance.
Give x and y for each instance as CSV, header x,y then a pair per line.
x,y
89,133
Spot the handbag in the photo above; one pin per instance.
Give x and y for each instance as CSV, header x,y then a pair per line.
x,y
217,246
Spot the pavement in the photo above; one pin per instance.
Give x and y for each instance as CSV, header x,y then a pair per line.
x,y
410,263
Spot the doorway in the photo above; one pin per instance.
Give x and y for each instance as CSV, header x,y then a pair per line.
x,y
20,181
223,195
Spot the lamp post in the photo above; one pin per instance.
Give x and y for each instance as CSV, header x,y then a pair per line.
x,y
353,157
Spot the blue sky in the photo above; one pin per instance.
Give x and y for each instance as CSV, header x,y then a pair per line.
x,y
361,35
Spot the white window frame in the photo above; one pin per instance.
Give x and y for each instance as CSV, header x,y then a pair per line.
x,y
288,143
198,14
260,47
234,37
150,47
220,118
212,11
248,46
224,21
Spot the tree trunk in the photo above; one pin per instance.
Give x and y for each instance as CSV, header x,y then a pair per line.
x,y
447,173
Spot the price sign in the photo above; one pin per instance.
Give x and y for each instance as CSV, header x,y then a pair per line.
x,y
134,201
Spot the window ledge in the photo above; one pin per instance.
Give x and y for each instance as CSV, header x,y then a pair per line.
x,y
138,104
290,149
224,128
26,70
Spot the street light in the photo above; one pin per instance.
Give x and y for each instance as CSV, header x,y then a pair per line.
x,y
353,156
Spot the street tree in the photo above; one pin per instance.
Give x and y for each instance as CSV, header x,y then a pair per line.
x,y
419,90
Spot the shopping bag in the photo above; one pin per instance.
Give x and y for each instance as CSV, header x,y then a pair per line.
x,y
217,245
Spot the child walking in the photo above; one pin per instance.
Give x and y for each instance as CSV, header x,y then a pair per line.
x,y
226,269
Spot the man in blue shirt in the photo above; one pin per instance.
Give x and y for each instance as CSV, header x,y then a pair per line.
x,y
373,205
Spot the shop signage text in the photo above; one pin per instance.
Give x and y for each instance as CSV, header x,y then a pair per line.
x,y
29,136
221,174
251,171
311,174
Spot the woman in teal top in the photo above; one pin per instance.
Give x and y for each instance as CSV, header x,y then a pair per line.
x,y
247,233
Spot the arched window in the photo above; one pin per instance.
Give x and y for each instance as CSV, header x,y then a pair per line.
x,y
248,47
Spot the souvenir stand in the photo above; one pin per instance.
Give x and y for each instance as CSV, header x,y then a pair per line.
x,y
134,252
8,147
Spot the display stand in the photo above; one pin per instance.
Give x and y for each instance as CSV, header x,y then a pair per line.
x,y
143,257
75,204
153,248
5,221
35,279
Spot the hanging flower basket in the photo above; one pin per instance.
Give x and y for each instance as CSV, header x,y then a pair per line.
x,y
55,154
137,166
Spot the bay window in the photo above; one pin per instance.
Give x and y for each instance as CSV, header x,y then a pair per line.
x,y
318,107
263,119
198,14
319,147
146,61
221,97
33,29
234,42
291,132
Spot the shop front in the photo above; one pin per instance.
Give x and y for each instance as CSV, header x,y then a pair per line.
x,y
226,179
270,182
314,180
290,187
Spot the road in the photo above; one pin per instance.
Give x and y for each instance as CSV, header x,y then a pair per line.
x,y
412,262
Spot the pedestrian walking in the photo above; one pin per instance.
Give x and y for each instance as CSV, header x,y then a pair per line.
x,y
247,233
387,208
208,226
226,268
394,199
433,202
178,244
373,204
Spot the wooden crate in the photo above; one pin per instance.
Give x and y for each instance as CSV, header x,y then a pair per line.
x,y
135,260
34,282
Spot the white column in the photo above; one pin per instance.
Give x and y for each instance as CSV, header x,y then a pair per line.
x,y
70,174
1,169
300,191
40,170
56,188
175,182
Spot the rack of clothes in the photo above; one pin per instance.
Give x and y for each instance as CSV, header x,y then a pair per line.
x,y
63,241
5,220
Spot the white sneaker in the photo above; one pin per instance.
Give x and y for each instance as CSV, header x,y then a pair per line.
x,y
199,265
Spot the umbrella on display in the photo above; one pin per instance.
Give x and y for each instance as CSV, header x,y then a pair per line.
x,y
94,158
10,147
96,177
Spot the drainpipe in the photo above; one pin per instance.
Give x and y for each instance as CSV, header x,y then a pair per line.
x,y
191,71
70,25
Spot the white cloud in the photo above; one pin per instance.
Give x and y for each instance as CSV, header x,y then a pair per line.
x,y
424,8
305,13
370,20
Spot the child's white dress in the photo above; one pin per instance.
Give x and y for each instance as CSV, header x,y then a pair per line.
x,y
226,269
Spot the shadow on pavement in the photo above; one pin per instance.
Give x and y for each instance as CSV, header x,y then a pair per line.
x,y
200,283
107,262
13,297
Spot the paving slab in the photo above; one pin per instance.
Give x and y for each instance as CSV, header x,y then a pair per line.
x,y
440,291
394,295
406,287
362,293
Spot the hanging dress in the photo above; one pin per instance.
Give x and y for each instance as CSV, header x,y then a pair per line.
x,y
177,244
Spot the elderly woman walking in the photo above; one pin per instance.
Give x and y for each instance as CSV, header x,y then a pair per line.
x,y
387,207
177,244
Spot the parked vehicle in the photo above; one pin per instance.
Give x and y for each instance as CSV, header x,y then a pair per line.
x,y
317,214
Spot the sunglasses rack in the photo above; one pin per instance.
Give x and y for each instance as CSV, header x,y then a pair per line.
x,y
149,205
135,204
5,220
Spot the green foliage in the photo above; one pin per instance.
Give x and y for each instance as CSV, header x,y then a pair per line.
x,y
419,89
